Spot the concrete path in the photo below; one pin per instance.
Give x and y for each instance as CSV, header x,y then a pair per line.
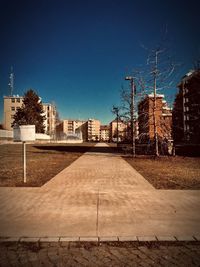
x,y
99,195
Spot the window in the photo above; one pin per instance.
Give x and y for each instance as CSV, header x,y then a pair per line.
x,y
13,108
13,100
18,100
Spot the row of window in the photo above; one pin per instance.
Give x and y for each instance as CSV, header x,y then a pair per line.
x,y
186,117
185,90
186,109
185,100
17,100
14,108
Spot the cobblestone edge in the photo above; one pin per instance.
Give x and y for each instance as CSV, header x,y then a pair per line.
x,y
101,239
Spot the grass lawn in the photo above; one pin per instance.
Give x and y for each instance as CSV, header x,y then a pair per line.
x,y
168,172
43,162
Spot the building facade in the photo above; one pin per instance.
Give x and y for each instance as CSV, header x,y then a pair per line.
x,y
186,112
72,127
50,122
122,130
12,103
93,130
163,116
104,133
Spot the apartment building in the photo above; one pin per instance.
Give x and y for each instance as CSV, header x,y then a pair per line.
x,y
186,112
163,116
50,122
122,130
104,133
93,130
12,103
72,127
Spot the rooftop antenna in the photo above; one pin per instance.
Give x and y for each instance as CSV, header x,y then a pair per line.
x,y
11,82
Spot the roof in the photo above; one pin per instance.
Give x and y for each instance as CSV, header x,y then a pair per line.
x,y
188,76
157,95
13,96
104,127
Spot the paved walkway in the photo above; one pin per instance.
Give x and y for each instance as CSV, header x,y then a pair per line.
x,y
100,195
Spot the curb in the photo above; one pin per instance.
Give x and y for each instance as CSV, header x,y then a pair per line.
x,y
102,239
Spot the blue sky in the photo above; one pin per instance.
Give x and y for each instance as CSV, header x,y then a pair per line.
x,y
77,52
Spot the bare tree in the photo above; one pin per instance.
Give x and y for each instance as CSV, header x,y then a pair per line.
x,y
159,77
156,76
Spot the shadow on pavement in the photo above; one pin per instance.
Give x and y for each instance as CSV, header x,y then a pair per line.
x,y
78,149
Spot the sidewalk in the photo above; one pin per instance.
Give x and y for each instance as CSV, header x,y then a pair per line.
x,y
100,196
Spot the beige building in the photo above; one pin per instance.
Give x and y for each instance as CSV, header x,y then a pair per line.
x,y
104,133
93,130
70,127
50,122
122,130
12,103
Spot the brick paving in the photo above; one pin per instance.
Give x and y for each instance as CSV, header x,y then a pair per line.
x,y
100,254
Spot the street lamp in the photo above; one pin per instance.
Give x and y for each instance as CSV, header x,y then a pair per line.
x,y
131,79
115,110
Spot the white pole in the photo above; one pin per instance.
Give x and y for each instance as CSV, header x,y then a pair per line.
x,y
24,149
155,106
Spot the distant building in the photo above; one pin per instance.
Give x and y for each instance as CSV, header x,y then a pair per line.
x,y
186,111
50,122
12,103
163,115
104,133
93,130
89,130
71,127
122,130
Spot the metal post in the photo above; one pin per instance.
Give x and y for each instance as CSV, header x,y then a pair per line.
x,y
24,152
154,108
133,131
132,117
117,110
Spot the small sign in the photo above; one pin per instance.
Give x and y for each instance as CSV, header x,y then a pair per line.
x,y
24,133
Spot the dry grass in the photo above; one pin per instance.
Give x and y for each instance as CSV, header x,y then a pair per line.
x,y
169,172
43,162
